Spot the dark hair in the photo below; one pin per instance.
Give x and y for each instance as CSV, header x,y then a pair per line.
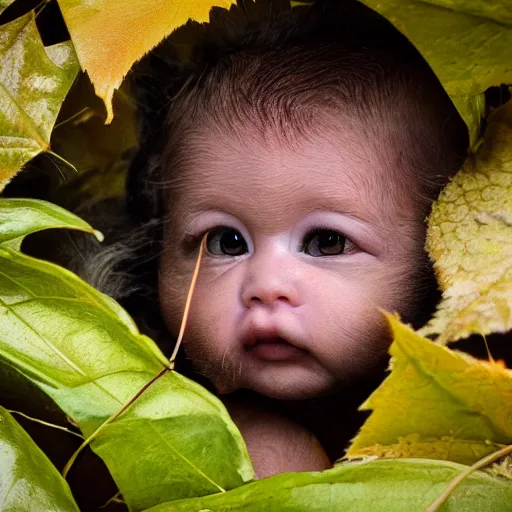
x,y
280,69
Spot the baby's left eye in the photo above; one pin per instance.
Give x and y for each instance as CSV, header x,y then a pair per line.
x,y
324,242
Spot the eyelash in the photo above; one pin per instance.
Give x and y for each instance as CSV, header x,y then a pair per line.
x,y
191,241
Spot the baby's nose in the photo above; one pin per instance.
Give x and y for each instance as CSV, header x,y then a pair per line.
x,y
270,284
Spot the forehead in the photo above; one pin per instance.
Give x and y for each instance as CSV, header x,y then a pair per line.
x,y
252,171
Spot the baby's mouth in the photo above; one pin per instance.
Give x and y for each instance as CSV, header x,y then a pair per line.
x,y
273,348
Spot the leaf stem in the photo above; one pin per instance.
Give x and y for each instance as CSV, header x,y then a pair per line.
x,y
503,452
73,117
112,418
188,302
63,160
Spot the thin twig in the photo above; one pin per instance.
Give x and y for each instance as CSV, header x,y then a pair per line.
x,y
489,459
188,302
46,424
63,160
162,372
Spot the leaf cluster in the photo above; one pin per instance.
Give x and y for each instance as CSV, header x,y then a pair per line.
x,y
175,447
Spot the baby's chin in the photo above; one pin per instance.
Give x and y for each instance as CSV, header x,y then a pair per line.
x,y
281,387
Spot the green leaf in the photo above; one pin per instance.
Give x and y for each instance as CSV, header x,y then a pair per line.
x,y
28,480
436,403
379,486
31,216
84,351
467,44
470,240
33,83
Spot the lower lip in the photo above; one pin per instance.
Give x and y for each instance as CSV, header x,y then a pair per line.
x,y
275,351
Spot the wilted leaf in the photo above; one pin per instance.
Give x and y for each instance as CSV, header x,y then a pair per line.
x,y
33,83
467,44
28,480
470,240
379,486
84,351
110,37
434,396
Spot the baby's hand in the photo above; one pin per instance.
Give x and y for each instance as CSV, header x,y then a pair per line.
x,y
277,444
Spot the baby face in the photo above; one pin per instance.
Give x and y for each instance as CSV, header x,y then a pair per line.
x,y
307,240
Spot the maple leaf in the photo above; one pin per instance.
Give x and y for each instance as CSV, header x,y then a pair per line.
x,y
110,36
436,403
470,240
33,83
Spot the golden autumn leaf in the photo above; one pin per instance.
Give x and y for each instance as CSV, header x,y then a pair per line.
x,y
436,403
110,36
470,240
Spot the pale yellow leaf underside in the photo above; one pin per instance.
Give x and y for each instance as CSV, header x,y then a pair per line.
x,y
470,240
110,36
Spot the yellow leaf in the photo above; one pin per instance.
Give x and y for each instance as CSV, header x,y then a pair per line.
x,y
466,42
470,240
436,403
110,36
4,4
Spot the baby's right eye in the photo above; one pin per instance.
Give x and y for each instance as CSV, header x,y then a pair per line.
x,y
223,241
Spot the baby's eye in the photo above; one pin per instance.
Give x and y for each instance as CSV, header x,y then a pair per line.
x,y
224,241
324,242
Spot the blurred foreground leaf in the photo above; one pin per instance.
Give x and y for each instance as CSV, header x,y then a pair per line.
x,y
4,4
436,403
379,486
467,44
84,351
33,83
470,240
28,480
110,36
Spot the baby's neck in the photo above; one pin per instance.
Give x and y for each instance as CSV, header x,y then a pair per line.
x,y
333,419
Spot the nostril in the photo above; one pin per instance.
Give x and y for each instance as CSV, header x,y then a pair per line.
x,y
256,299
